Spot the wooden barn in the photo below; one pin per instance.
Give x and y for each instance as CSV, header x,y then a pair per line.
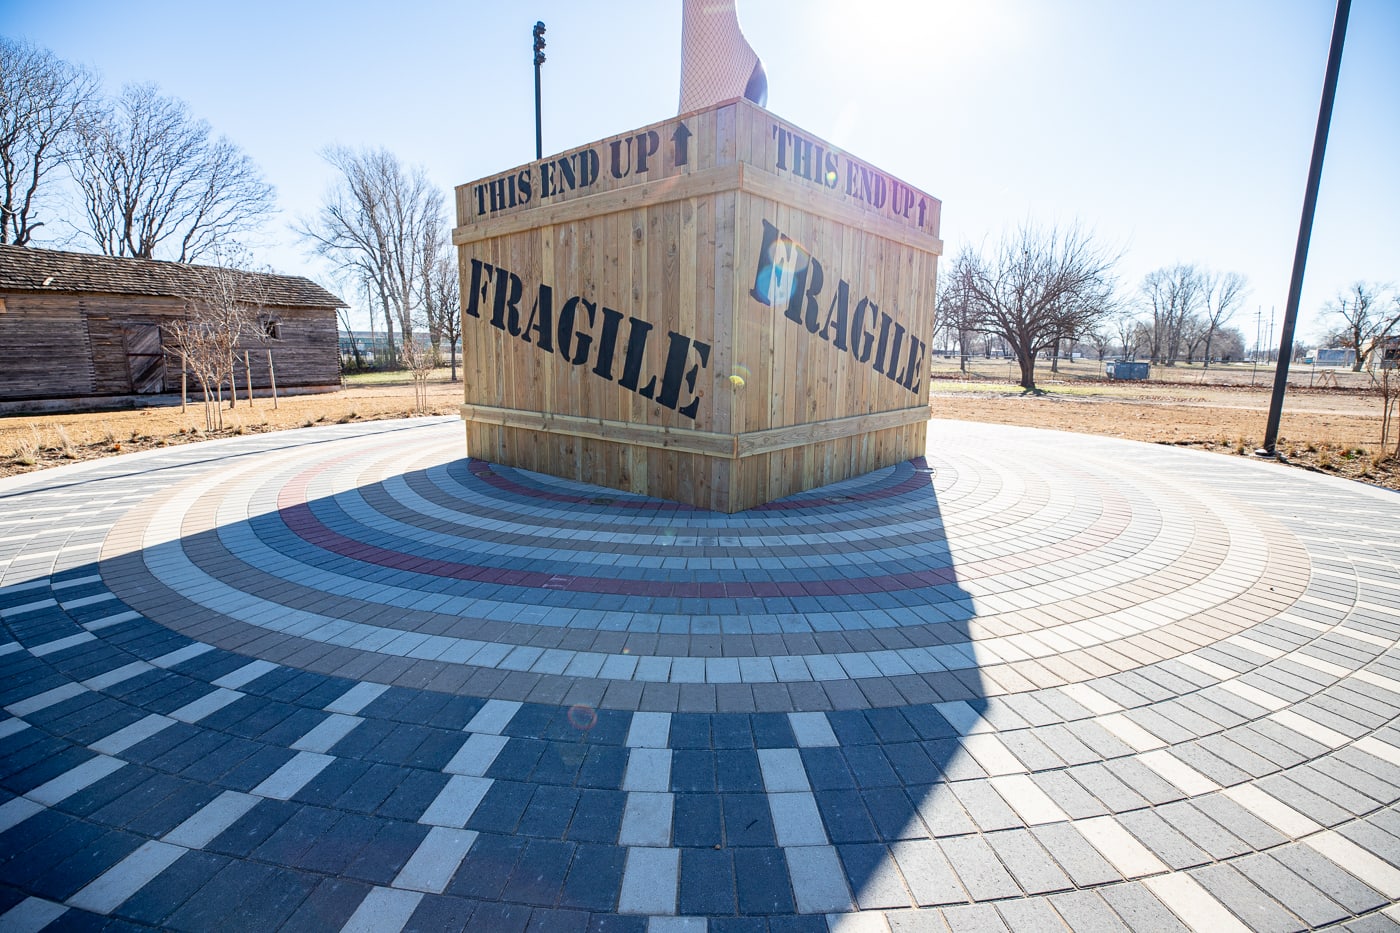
x,y
78,329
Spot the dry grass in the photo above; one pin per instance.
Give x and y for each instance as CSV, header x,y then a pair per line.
x,y
38,441
1334,431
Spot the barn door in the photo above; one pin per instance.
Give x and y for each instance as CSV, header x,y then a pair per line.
x,y
145,358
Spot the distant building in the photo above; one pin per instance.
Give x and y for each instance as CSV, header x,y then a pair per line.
x,y
1382,353
373,348
1331,356
78,329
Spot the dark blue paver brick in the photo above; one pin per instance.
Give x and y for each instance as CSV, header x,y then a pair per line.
x,y
518,758
172,887
870,767
852,728
603,767
845,816
731,730
539,874
328,907
707,882
737,771
502,807
693,771
227,902
594,878
826,769
893,813
773,730
557,921
386,851
696,820
85,863
549,812
416,790
690,730
748,820
439,913
762,881
616,924
488,866
598,816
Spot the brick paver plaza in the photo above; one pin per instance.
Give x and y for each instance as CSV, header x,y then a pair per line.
x,y
345,678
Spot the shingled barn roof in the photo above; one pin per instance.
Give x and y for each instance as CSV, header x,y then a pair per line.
x,y
46,270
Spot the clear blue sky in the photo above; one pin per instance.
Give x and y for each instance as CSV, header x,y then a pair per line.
x,y
1179,131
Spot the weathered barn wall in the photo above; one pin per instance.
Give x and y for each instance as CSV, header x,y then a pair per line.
x,y
84,327
55,346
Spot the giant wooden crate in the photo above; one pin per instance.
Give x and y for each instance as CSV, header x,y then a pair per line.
x,y
719,309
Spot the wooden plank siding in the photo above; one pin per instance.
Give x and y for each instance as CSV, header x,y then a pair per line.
x,y
62,340
615,332
70,346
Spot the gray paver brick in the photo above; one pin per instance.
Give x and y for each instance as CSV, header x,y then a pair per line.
x,y
1027,861
1248,902
1292,891
1087,912
1140,909
977,866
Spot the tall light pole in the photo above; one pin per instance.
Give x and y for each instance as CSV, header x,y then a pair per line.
x,y
539,60
1300,255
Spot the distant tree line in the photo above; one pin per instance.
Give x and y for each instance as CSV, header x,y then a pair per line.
x,y
1043,292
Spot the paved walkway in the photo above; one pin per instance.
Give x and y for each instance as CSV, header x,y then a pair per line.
x,y
344,678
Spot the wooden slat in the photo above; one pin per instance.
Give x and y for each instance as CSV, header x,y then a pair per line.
x,y
694,184
709,443
814,201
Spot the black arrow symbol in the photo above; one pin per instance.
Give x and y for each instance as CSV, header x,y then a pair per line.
x,y
681,137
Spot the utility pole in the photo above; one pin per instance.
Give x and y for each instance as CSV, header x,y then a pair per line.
x,y
1300,255
539,60
1258,311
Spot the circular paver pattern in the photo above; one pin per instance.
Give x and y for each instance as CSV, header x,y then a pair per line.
x,y
349,678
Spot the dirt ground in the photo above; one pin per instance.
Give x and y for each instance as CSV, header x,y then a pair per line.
x,y
1336,430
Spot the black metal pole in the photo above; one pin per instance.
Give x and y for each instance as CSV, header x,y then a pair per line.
x,y
539,60
1300,255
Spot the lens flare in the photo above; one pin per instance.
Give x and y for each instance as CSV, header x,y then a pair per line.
x,y
582,717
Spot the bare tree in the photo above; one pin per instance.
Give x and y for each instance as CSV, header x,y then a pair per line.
x,y
1362,318
952,310
1221,294
1172,294
344,315
1193,335
441,292
1130,332
1388,389
1042,284
1229,344
198,342
222,307
265,328
43,101
153,179
1101,339
421,360
442,296
372,227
